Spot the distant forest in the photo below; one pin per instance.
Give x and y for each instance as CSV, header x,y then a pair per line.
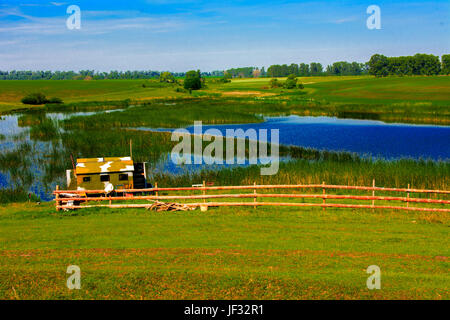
x,y
92,75
378,65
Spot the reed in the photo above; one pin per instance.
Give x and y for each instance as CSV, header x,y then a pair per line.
x,y
17,195
360,172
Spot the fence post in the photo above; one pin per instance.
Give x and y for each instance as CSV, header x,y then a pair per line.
x,y
323,192
57,198
156,193
373,192
204,191
254,192
407,196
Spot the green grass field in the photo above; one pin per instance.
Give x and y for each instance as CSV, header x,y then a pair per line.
x,y
405,99
222,254
11,92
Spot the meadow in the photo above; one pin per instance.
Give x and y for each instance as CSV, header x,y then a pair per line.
x,y
240,253
405,99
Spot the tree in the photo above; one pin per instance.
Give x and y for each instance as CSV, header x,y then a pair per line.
x,y
263,72
426,64
293,69
291,82
446,64
316,69
378,65
167,77
246,72
193,80
304,70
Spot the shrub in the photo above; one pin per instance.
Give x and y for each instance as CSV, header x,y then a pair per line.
x,y
223,80
291,82
193,80
167,77
55,100
274,83
34,99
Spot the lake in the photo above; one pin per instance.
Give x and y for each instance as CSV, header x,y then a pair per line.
x,y
364,137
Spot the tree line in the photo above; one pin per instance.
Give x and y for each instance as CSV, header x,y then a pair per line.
x,y
378,65
92,75
300,70
419,64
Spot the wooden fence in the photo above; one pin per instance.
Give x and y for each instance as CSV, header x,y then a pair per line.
x,y
66,199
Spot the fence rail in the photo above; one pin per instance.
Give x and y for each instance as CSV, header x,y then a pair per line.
x,y
65,199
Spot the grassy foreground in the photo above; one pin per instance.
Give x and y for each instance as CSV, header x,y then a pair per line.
x,y
222,254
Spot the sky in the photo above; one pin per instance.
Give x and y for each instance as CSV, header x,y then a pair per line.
x,y
180,35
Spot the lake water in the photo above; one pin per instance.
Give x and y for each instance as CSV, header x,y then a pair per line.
x,y
364,137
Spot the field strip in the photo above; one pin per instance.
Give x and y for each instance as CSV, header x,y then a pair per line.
x,y
49,253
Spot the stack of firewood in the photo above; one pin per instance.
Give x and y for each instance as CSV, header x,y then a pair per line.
x,y
170,206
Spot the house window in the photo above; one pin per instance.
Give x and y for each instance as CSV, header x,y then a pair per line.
x,y
104,178
86,179
123,177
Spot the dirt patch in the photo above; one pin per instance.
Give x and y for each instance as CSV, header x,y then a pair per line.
x,y
248,93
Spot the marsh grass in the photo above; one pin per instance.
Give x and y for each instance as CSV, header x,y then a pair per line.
x,y
17,196
353,171
87,106
17,164
45,130
169,114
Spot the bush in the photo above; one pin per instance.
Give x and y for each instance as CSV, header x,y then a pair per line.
x,y
156,84
55,100
167,77
291,82
274,83
223,80
34,99
193,80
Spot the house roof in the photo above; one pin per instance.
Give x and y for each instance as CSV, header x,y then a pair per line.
x,y
104,165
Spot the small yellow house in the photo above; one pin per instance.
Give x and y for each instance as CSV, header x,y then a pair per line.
x,y
97,173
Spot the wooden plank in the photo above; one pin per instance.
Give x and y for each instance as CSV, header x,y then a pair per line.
x,y
310,186
278,204
262,195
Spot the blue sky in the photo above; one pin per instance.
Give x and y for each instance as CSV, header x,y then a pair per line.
x,y
179,35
